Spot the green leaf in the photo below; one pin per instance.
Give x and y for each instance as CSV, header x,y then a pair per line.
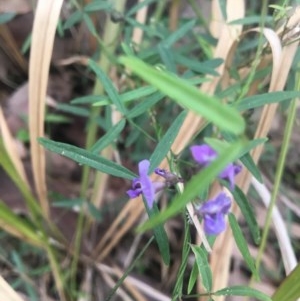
x,y
138,6
167,58
266,98
193,189
107,85
87,158
247,160
206,67
242,244
90,24
77,111
203,267
222,4
75,18
128,96
180,279
95,213
68,203
145,105
88,99
289,289
21,268
160,234
178,34
109,137
248,213
251,166
187,95
240,290
251,19
193,277
6,17
57,118
164,145
97,5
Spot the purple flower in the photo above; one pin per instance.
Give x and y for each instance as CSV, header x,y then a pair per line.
x,y
204,155
143,184
230,172
213,213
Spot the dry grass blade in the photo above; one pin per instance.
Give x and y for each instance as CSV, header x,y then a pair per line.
x,y
10,146
7,293
44,26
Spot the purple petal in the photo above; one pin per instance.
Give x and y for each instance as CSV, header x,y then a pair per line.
x,y
203,154
214,224
161,172
133,193
136,189
144,167
230,172
148,189
221,204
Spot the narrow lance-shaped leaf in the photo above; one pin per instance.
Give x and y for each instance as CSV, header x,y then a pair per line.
x,y
107,85
203,267
193,188
165,143
227,118
193,277
145,105
87,158
109,137
126,96
167,58
178,34
243,291
160,234
242,244
248,213
263,99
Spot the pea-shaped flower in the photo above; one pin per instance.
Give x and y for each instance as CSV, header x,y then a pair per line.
x,y
213,213
144,185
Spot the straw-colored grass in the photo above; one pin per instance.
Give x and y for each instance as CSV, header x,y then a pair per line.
x,y
43,32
